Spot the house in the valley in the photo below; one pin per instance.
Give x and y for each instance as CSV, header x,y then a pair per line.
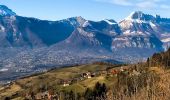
x,y
93,74
113,72
87,75
44,95
66,83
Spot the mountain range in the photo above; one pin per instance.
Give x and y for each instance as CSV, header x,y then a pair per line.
x,y
30,45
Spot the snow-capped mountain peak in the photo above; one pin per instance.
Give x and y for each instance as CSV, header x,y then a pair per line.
x,y
5,11
139,16
138,23
77,21
135,15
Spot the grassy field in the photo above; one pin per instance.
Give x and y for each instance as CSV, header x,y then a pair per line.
x,y
52,78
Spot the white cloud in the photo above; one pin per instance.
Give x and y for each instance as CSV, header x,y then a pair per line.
x,y
146,4
163,6
140,3
118,2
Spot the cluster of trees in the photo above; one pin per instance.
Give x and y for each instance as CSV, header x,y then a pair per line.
x,y
159,59
129,86
97,93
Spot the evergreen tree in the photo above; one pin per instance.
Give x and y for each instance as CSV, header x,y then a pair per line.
x,y
88,95
7,98
72,95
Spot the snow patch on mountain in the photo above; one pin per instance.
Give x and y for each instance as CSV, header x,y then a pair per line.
x,y
84,33
111,22
75,21
3,70
5,11
134,15
166,40
86,23
2,28
152,24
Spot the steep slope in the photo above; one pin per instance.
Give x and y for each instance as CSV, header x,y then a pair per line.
x,y
18,31
94,34
85,38
21,31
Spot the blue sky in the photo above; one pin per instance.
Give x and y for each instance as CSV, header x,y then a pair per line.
x,y
89,9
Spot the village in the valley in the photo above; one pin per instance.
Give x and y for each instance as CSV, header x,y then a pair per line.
x,y
126,70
